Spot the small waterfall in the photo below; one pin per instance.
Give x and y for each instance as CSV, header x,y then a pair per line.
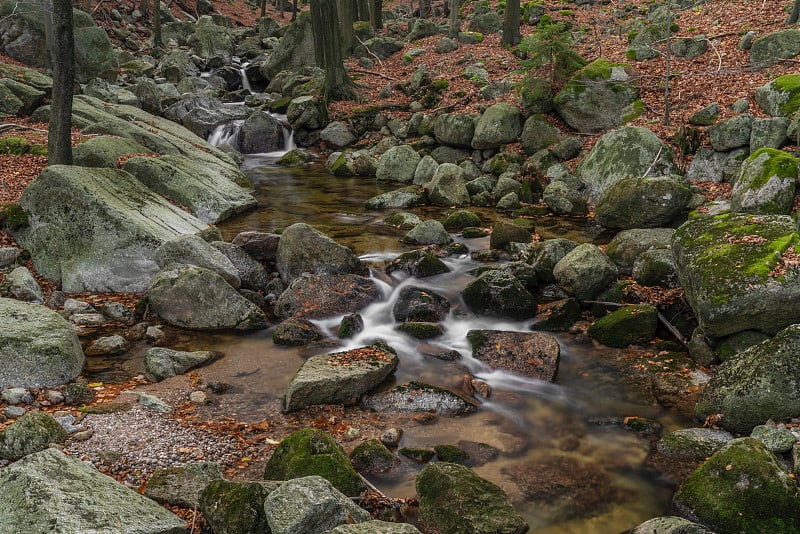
x,y
226,134
245,81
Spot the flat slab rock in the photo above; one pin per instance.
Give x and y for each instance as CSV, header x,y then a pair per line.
x,y
416,397
534,354
316,296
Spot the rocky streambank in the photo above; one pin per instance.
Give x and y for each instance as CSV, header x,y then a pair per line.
x,y
696,295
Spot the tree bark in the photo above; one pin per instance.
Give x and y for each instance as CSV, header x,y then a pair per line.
x,y
362,10
455,26
376,14
157,24
511,34
795,13
144,8
328,49
345,10
59,138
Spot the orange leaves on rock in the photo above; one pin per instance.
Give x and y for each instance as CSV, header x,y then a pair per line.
x,y
364,354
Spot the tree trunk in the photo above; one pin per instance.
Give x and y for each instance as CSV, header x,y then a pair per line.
x,y
59,139
362,10
455,26
511,34
144,8
294,10
345,9
376,14
157,24
328,49
667,67
795,13
263,6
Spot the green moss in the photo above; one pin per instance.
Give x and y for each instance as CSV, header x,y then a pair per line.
x,y
12,217
626,326
790,83
778,163
418,454
419,330
476,339
599,69
372,456
234,506
461,219
633,111
450,453
14,145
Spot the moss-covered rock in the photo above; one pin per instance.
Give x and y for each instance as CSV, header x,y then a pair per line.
x,y
418,263
499,294
429,232
628,325
766,183
418,454
505,232
558,316
420,330
656,267
546,254
777,439
781,96
585,271
310,452
451,453
732,269
669,525
235,507
628,245
372,456
642,202
454,499
500,124
742,488
33,432
461,219
774,47
182,486
296,331
693,443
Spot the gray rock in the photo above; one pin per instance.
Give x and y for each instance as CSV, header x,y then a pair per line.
x,y
711,166
404,198
430,232
398,164
235,507
538,134
302,249
110,244
627,152
670,525
115,344
598,97
421,28
252,274
306,112
706,116
448,186
452,498
446,45
375,527
506,184
774,47
562,199
210,40
769,133
260,133
499,294
485,23
455,129
418,263
642,202
104,151
417,397
162,363
383,47
310,505
261,246
766,183
530,354
731,133
193,250
775,439
8,256
68,491
193,297
294,50
318,296
181,486
693,443
656,267
33,432
585,272
759,384
296,331
17,396
546,254
340,378
729,286
779,96
155,97
500,124
337,135
24,286
39,348
505,232
690,47
415,304
177,65
425,170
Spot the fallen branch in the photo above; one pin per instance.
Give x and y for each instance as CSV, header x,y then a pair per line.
x,y
663,320
368,50
13,126
650,168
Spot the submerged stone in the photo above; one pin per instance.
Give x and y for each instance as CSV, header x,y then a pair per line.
x,y
531,354
418,397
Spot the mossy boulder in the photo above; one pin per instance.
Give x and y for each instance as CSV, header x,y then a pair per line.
x,y
105,151
563,199
500,124
235,507
421,330
642,202
546,254
760,383
372,457
398,164
161,363
415,304
461,219
418,263
450,453
418,397
626,247
599,96
731,133
585,272
309,452
775,47
742,488
558,316
303,249
766,184
499,294
693,443
629,325
296,331
733,271
430,232
777,439
448,186
403,198
781,96
453,499
505,232
537,134
182,486
33,432
627,152
656,267
340,377
455,129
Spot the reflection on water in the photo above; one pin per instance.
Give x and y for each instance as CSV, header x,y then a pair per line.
x,y
563,474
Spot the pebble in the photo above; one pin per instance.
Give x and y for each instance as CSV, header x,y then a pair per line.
x,y
67,422
154,333
87,319
391,437
13,412
54,396
198,397
77,306
352,434
17,396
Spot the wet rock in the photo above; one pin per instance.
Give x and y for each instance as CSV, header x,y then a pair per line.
x,y
531,354
261,246
340,378
69,491
418,263
742,488
375,527
430,232
33,432
235,507
506,232
403,198
372,457
585,271
415,304
656,267
461,219
252,274
107,345
642,202
351,325
418,397
296,331
775,439
420,330
558,316
454,499
317,296
670,525
309,452
450,453
545,255
419,455
303,249
118,312
693,443
391,436
448,186
499,294
403,219
628,325
162,363
182,486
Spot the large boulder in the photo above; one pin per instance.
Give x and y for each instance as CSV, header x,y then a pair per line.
x,y
302,249
101,231
210,196
418,397
545,255
500,124
499,294
193,297
310,505
733,269
182,486
210,40
429,232
252,273
104,151
642,202
775,47
310,452
33,432
177,65
37,346
538,134
162,363
585,272
448,186
259,133
628,245
51,492
781,96
455,129
202,114
766,183
294,50
235,507
627,152
760,383
731,133
316,296
341,377
398,164
629,325
599,96
531,354
194,250
415,304
453,499
742,488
